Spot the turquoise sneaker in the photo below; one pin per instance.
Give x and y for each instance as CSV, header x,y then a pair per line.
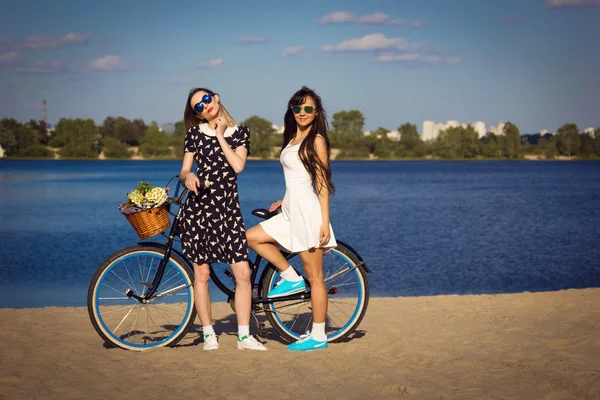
x,y
284,288
307,343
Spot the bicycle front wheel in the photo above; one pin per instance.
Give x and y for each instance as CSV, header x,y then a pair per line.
x,y
348,298
123,321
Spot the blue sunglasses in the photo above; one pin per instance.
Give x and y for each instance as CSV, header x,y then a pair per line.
x,y
206,99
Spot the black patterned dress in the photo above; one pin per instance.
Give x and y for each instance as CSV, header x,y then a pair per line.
x,y
213,228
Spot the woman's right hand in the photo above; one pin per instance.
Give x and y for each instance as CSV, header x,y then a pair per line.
x,y
275,205
192,182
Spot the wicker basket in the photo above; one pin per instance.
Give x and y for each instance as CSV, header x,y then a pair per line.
x,y
149,222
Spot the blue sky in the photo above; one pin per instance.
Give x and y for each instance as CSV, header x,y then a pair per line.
x,y
533,62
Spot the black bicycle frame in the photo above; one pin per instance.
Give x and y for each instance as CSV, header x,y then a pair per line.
x,y
254,266
168,249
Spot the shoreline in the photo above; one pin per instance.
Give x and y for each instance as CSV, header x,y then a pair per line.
x,y
543,345
525,158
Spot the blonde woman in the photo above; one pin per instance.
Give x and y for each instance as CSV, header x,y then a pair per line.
x,y
213,228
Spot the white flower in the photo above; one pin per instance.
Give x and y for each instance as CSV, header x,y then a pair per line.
x,y
156,196
136,198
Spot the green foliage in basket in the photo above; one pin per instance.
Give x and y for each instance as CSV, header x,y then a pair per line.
x,y
147,196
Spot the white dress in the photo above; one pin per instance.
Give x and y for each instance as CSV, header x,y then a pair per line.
x,y
297,227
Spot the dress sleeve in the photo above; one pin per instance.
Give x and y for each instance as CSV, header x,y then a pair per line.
x,y
243,138
189,145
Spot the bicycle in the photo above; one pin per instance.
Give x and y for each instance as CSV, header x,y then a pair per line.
x,y
142,297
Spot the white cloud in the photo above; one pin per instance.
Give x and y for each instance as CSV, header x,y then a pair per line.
x,y
108,63
415,57
572,3
8,57
214,63
453,60
250,40
387,57
13,61
44,42
291,50
337,17
6,40
375,41
50,42
377,18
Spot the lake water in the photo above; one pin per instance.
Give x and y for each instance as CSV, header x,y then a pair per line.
x,y
423,227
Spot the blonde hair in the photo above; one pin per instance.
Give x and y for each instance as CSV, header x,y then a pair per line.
x,y
190,118
230,121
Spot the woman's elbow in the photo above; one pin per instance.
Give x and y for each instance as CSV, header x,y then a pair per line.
x,y
238,169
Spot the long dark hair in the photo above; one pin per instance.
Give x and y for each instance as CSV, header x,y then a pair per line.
x,y
191,118
307,152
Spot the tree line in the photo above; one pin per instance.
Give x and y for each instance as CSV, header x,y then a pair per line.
x,y
119,138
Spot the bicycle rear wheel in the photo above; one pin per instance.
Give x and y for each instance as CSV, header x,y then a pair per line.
x,y
348,292
130,324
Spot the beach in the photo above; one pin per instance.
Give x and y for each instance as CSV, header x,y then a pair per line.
x,y
542,345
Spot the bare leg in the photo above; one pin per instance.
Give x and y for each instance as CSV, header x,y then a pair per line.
x,y
201,293
243,292
312,261
264,245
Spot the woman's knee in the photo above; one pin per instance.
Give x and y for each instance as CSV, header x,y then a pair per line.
x,y
201,273
241,272
251,235
314,274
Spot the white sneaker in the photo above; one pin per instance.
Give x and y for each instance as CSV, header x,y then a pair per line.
x,y
250,343
211,342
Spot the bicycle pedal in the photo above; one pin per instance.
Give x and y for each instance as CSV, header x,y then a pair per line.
x,y
262,329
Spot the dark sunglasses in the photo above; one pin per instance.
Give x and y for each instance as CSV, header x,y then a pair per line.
x,y
307,109
206,99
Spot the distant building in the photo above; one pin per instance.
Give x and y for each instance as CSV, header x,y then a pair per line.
x,y
479,127
1,152
394,135
428,130
545,132
591,131
452,124
168,128
498,130
278,130
431,130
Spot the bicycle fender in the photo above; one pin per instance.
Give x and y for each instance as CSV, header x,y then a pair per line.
x,y
347,246
162,246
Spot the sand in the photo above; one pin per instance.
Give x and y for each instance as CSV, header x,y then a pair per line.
x,y
510,346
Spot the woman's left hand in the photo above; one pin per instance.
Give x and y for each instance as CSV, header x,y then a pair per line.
x,y
324,234
221,126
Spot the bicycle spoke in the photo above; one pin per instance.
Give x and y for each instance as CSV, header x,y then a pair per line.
x,y
125,317
134,322
340,309
117,310
118,291
129,286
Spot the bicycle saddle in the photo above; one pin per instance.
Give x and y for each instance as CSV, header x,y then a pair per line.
x,y
266,214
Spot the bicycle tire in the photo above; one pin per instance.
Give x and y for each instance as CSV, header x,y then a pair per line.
x,y
101,312
292,333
